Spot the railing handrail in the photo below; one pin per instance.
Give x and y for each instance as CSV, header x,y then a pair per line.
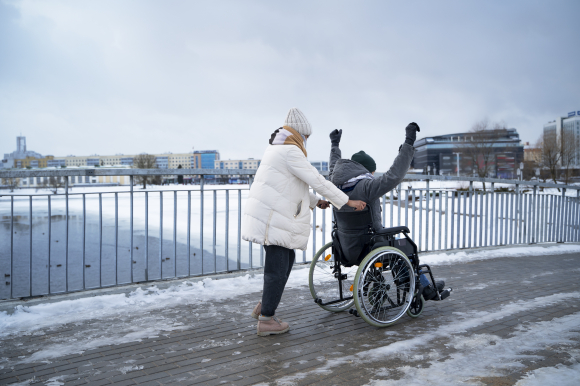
x,y
120,172
12,173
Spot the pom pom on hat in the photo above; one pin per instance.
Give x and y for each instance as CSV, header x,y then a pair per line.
x,y
365,160
297,120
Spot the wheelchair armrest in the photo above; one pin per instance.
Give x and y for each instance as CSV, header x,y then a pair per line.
x,y
392,231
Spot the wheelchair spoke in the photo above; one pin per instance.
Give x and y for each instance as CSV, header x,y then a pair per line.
x,y
384,287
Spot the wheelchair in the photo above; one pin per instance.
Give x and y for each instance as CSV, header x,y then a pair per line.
x,y
384,283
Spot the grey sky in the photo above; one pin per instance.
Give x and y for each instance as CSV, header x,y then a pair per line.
x,y
106,77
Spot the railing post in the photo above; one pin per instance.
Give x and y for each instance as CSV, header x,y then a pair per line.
x,y
49,255
323,226
412,212
147,237
239,257
175,233
131,225
12,245
517,229
470,234
384,211
66,234
30,246
446,217
201,183
490,212
420,243
534,215
427,216
562,213
227,241
399,192
161,235
452,229
314,230
100,239
84,238
577,214
487,222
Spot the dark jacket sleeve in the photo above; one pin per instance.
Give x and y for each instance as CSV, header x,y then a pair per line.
x,y
373,189
335,155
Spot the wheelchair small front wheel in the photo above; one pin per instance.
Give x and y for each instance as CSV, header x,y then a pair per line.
x,y
416,307
384,286
324,285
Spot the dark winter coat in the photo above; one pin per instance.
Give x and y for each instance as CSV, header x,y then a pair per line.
x,y
354,236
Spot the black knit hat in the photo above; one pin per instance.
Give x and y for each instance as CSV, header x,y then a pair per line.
x,y
365,160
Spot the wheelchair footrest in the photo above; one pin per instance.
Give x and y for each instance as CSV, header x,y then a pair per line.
x,y
445,294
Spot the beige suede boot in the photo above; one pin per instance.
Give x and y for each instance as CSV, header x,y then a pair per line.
x,y
271,325
257,310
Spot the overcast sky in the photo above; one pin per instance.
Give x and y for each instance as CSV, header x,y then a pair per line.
x,y
107,77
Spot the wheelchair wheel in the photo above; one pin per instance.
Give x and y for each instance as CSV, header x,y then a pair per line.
x,y
325,286
416,307
384,284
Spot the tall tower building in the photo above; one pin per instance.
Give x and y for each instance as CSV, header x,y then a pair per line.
x,y
21,144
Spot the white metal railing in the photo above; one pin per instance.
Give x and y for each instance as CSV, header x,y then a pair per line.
x,y
57,243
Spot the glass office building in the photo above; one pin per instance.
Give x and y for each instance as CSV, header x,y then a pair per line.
x,y
444,154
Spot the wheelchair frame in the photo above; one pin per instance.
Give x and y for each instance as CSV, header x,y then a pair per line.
x,y
410,251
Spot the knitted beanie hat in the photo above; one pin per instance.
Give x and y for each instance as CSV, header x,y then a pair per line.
x,y
365,160
298,121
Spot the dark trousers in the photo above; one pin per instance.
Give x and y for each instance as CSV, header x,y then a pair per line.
x,y
277,268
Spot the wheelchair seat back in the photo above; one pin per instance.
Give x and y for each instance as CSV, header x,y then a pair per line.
x,y
354,237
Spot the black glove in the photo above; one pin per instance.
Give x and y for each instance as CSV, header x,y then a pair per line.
x,y
335,136
411,133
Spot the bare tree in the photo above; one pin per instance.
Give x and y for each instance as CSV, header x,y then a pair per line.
x,y
551,152
53,183
146,161
11,182
478,146
568,148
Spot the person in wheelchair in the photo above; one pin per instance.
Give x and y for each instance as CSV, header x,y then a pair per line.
x,y
387,280
355,177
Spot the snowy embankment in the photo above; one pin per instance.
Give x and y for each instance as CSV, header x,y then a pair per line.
x,y
465,256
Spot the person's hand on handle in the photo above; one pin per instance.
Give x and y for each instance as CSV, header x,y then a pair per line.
x,y
335,136
323,204
411,133
356,204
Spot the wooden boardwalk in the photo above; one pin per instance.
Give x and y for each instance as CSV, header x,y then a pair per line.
x,y
217,343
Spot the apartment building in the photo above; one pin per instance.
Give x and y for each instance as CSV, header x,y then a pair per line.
x,y
249,163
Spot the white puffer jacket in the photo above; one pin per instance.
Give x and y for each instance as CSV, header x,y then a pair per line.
x,y
278,208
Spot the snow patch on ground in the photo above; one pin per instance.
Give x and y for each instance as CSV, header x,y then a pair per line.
x,y
486,355
127,369
26,320
465,321
462,257
559,375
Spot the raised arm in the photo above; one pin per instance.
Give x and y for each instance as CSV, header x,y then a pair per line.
x,y
335,153
389,180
